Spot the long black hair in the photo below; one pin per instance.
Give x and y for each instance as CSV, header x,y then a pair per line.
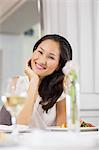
x,y
51,87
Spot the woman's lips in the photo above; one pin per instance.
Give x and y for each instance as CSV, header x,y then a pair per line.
x,y
40,67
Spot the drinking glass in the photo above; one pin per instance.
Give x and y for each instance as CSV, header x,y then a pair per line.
x,y
14,98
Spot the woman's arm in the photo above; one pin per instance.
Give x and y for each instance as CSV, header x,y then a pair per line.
x,y
61,112
25,115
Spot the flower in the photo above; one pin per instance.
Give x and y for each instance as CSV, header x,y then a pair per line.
x,y
71,74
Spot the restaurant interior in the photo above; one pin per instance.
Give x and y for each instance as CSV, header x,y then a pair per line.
x,y
22,23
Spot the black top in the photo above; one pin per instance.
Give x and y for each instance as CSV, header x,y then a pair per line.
x,y
5,117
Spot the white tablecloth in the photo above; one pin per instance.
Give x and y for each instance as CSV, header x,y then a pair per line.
x,y
49,140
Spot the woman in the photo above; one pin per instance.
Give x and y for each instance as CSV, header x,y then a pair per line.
x,y
46,99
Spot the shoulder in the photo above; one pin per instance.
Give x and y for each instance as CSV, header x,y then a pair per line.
x,y
62,97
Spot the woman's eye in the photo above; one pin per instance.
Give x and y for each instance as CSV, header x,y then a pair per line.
x,y
51,57
40,52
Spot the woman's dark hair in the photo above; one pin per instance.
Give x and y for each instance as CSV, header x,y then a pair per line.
x,y
51,86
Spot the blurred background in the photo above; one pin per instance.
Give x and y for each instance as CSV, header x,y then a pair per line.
x,y
23,22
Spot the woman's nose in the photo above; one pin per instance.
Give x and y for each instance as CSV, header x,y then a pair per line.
x,y
43,60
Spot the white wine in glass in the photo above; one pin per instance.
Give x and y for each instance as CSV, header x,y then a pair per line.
x,y
15,97
14,104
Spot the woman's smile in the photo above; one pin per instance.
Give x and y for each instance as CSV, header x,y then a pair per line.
x,y
39,66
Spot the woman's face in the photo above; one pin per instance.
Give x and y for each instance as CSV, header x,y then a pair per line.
x,y
45,58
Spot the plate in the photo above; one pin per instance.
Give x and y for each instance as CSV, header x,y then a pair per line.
x,y
82,129
89,129
9,129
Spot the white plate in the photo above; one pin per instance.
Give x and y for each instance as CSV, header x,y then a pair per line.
x,y
20,128
82,129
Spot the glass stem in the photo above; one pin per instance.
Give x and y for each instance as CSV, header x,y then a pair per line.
x,y
15,130
14,120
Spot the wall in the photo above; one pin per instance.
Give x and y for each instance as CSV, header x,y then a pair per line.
x,y
14,51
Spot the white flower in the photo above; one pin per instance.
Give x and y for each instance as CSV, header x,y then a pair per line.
x,y
70,65
70,71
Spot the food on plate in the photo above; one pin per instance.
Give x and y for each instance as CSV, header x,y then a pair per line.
x,y
85,124
82,124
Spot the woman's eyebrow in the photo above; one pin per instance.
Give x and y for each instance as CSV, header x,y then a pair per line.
x,y
49,53
52,54
41,48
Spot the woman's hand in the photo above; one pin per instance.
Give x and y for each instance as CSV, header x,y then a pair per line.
x,y
30,73
34,81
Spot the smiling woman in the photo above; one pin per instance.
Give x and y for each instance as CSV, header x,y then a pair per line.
x,y
45,58
46,98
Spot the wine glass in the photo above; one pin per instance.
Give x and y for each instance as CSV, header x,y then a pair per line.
x,y
14,98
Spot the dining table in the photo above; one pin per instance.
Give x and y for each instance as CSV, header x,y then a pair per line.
x,y
49,139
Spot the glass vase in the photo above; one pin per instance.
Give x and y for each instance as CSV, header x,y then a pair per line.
x,y
73,108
